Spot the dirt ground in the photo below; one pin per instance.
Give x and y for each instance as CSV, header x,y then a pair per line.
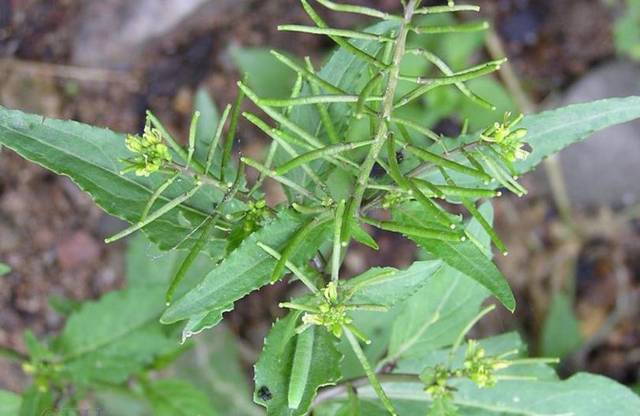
x,y
51,234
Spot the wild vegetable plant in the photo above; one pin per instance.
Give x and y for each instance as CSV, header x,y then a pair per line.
x,y
351,161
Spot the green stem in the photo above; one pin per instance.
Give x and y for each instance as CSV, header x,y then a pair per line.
x,y
386,110
373,379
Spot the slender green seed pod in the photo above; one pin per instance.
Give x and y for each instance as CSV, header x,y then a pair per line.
x,y
311,76
343,43
465,127
319,153
303,209
459,28
444,68
347,218
311,140
471,207
333,32
453,78
293,268
156,214
294,242
325,118
295,93
191,257
415,231
447,9
283,180
231,134
366,92
415,126
336,255
157,194
193,128
213,146
435,190
350,8
285,138
408,185
446,163
313,99
502,177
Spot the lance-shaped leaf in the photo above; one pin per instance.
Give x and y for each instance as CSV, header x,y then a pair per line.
x,y
114,337
463,256
177,398
91,156
246,269
551,131
581,395
35,402
273,372
223,380
435,315
387,286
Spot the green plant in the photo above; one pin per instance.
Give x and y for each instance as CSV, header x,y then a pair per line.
x,y
627,31
388,341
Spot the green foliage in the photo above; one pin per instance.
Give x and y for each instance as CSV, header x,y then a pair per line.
x,y
561,331
177,398
10,403
388,341
4,269
627,31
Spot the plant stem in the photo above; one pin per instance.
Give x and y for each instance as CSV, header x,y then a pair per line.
x,y
13,355
386,110
373,379
343,388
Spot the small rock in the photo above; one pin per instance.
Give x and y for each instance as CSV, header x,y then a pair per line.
x,y
604,169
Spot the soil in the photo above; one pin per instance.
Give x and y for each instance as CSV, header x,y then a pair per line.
x,y
51,234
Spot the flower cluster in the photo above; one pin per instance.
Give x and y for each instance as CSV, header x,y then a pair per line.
x,y
436,382
509,140
255,214
151,154
330,314
479,368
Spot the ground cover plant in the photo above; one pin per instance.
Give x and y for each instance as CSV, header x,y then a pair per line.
x,y
351,154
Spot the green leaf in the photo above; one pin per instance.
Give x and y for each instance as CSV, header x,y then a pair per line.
x,y
91,156
246,269
36,402
561,330
551,131
347,72
213,366
114,337
4,269
177,398
627,31
463,256
206,130
273,369
207,124
266,75
147,265
387,286
436,314
580,395
10,403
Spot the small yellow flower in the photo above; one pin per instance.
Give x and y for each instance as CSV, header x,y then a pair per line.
x,y
150,153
